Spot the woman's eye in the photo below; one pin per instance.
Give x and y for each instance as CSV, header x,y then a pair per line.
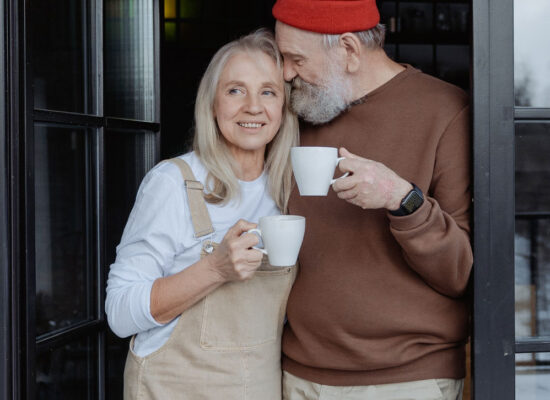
x,y
235,91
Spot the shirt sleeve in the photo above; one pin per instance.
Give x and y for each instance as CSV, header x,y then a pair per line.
x,y
436,238
148,246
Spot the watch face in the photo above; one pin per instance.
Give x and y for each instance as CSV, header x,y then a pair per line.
x,y
412,202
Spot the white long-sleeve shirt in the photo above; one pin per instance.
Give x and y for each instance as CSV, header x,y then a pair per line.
x,y
159,241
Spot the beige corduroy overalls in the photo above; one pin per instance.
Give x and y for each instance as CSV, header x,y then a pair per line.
x,y
226,346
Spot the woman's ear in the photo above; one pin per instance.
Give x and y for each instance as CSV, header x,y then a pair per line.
x,y
353,47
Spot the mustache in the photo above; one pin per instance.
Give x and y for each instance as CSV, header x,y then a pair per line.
x,y
298,83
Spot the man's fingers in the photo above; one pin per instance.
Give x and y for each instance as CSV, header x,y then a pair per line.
x,y
345,183
347,194
345,153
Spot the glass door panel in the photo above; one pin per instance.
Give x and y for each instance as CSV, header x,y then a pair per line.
x,y
62,78
533,376
129,59
532,53
532,237
65,284
68,372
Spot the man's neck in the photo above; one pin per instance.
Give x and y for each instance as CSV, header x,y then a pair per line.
x,y
376,69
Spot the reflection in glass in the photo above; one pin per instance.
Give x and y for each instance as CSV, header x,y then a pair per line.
x,y
62,227
533,376
415,17
61,79
191,8
453,64
532,277
532,236
169,8
418,55
532,167
532,53
170,31
68,372
129,59
128,157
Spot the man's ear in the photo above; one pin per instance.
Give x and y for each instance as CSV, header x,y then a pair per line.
x,y
352,45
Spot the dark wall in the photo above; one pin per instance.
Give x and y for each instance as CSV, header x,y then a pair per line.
x,y
189,42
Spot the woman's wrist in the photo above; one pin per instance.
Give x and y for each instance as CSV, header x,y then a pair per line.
x,y
212,265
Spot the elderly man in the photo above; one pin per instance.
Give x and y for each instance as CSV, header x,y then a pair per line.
x,y
378,310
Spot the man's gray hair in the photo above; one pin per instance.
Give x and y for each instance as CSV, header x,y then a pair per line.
x,y
371,38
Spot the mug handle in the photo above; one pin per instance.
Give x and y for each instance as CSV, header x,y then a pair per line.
x,y
343,176
259,233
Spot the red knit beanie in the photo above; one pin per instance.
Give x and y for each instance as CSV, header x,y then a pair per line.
x,y
328,16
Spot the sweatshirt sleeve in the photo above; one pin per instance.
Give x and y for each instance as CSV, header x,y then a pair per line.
x,y
435,239
148,246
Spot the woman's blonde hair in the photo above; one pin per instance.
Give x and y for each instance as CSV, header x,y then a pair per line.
x,y
221,183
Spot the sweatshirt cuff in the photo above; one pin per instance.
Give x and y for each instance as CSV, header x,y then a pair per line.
x,y
412,221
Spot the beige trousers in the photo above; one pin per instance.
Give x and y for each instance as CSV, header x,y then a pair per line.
x,y
295,388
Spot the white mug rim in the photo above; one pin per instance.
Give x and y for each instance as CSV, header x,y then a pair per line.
x,y
283,217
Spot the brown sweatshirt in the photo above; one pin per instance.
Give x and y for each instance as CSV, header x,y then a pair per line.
x,y
378,298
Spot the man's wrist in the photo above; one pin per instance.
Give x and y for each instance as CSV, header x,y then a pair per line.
x,y
412,201
399,195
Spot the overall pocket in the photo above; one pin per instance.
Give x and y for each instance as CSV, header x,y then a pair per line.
x,y
242,315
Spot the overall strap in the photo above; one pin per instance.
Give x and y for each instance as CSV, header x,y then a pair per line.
x,y
202,224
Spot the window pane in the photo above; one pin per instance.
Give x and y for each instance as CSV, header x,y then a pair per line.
x,y
453,64
531,53
190,8
532,277
68,372
63,227
533,376
170,31
532,167
532,236
128,157
169,8
418,55
416,18
129,59
60,57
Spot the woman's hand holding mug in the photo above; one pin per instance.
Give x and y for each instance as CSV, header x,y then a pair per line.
x,y
234,259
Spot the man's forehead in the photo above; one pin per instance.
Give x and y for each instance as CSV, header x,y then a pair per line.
x,y
294,40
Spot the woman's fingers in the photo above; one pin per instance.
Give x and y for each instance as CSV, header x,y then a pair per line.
x,y
239,228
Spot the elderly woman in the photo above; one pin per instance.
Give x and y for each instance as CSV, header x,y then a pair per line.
x,y
206,310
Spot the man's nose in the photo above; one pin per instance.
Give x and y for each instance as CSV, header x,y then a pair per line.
x,y
289,73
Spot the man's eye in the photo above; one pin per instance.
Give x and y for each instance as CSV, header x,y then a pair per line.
x,y
269,93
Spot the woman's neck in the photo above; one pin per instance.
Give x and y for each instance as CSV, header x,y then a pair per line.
x,y
250,163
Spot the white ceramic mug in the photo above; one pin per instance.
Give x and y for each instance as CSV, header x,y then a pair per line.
x,y
282,236
314,168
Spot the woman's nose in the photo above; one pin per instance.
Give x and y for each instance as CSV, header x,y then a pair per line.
x,y
254,105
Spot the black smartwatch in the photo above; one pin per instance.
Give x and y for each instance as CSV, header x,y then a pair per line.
x,y
410,203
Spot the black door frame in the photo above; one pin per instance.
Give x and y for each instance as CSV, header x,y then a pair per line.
x,y
12,301
493,342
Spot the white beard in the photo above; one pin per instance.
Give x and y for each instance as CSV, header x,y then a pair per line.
x,y
320,104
